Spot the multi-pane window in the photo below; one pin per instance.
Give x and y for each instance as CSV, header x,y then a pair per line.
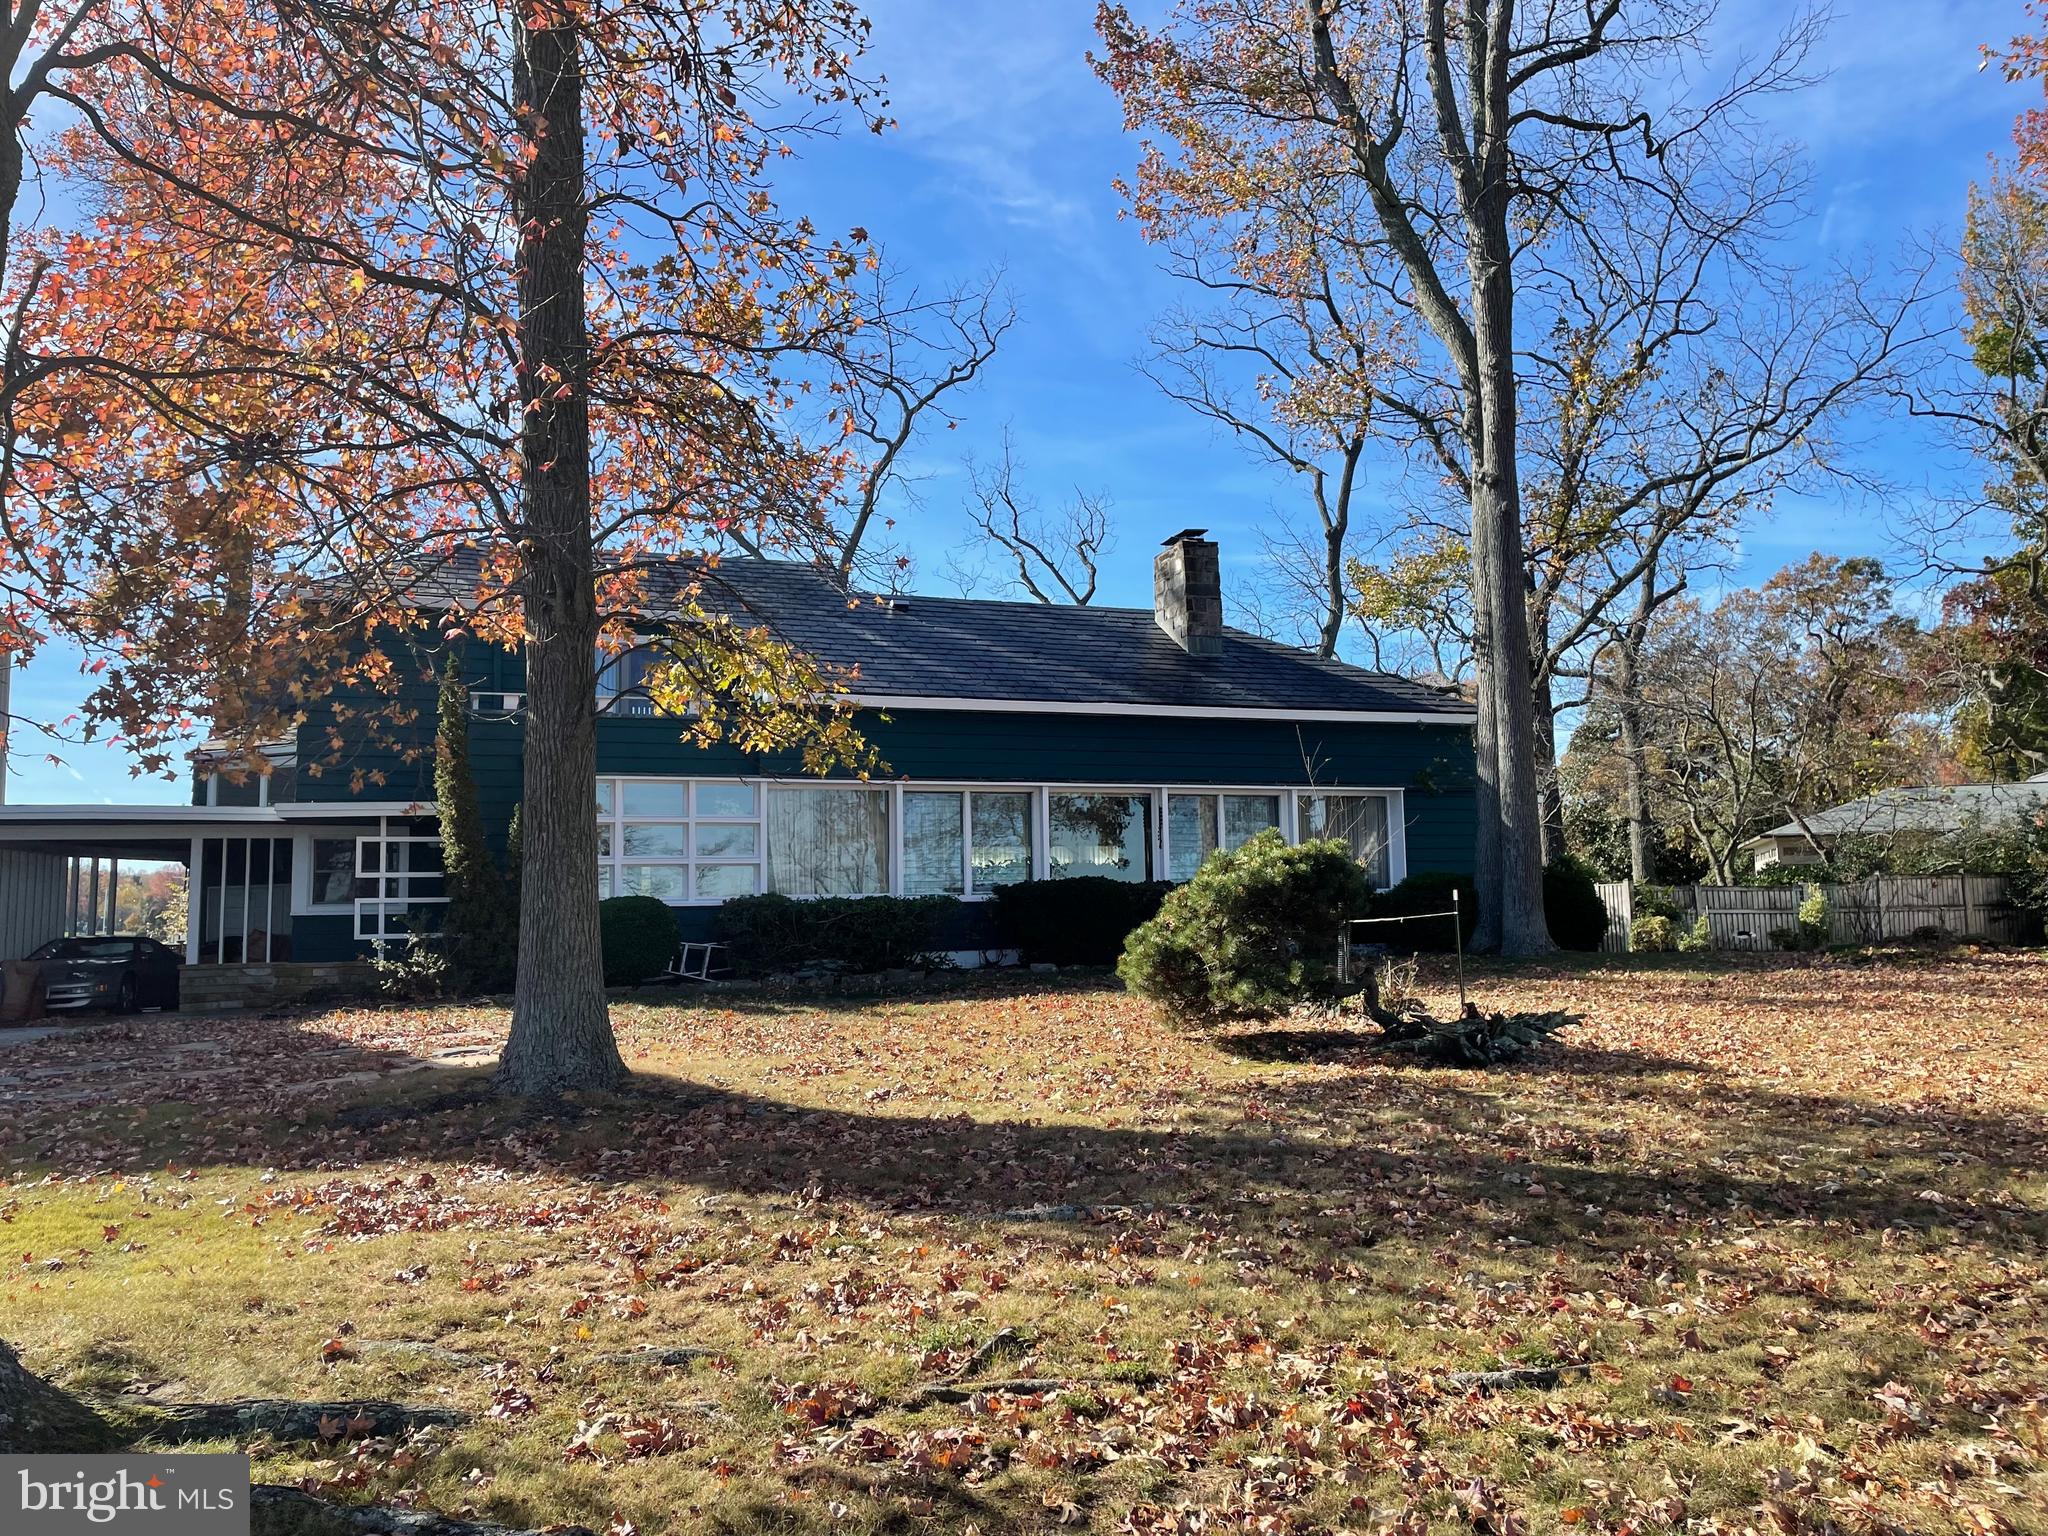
x,y
1360,820
622,680
708,840
965,842
678,840
1199,824
1095,834
828,841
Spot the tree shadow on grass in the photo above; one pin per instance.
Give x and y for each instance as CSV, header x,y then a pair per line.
x,y
1434,1150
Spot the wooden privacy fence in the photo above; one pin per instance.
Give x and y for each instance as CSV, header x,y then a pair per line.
x,y
1872,911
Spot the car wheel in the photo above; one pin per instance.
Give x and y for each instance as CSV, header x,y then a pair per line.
x,y
124,995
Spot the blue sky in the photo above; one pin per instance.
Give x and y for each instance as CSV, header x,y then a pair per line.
x,y
1005,158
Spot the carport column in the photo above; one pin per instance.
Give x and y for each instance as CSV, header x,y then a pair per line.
x,y
114,894
193,915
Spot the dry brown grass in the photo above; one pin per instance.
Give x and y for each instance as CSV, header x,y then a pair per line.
x,y
1791,1217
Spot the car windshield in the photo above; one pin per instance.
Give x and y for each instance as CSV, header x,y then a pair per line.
x,y
85,949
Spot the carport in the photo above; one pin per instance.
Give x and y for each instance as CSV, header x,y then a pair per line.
x,y
265,884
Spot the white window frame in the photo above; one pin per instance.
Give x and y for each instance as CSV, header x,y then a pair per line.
x,y
398,890
1040,791
617,821
282,756
1282,798
303,904
1397,820
965,787
1152,792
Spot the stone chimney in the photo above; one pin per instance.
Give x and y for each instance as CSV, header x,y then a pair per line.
x,y
1187,592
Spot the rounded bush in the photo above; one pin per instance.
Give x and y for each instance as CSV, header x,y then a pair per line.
x,y
768,934
639,938
1572,905
1652,935
1251,935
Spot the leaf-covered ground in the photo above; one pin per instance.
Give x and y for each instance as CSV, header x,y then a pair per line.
x,y
1018,1259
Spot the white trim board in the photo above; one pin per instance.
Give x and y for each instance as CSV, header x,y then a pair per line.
x,y
1162,711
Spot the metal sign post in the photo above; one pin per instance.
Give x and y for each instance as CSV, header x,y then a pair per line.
x,y
1458,940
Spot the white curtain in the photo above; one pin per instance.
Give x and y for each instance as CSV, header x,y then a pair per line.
x,y
1360,820
828,842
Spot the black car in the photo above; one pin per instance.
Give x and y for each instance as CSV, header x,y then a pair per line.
x,y
117,971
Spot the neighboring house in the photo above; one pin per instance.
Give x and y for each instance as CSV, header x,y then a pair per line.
x,y
1928,810
1021,741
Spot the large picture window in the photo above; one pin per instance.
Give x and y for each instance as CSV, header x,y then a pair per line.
x,y
1109,835
1360,820
678,840
828,842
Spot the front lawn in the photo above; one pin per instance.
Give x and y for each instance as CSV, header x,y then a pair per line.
x,y
1017,1259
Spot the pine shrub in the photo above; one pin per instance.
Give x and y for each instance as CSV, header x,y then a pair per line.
x,y
1252,934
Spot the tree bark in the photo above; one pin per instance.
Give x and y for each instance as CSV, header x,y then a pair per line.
x,y
38,1419
1498,570
1642,843
561,1038
1543,706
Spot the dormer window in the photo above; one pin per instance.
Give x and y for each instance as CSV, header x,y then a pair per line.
x,y
622,680
238,782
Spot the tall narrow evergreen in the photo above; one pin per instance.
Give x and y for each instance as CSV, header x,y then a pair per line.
x,y
481,929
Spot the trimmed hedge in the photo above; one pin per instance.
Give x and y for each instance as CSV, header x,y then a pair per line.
x,y
639,938
767,935
1571,906
1427,890
1251,935
1081,921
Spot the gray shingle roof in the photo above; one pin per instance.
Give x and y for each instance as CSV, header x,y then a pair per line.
x,y
1925,808
915,647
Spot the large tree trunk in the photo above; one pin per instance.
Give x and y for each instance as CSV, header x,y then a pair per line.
x,y
1642,842
37,1419
561,1036
1543,706
1486,855
1498,571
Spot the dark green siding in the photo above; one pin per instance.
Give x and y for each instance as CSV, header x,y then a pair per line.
x,y
1432,763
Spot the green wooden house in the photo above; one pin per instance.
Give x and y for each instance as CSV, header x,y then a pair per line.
x,y
1021,741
